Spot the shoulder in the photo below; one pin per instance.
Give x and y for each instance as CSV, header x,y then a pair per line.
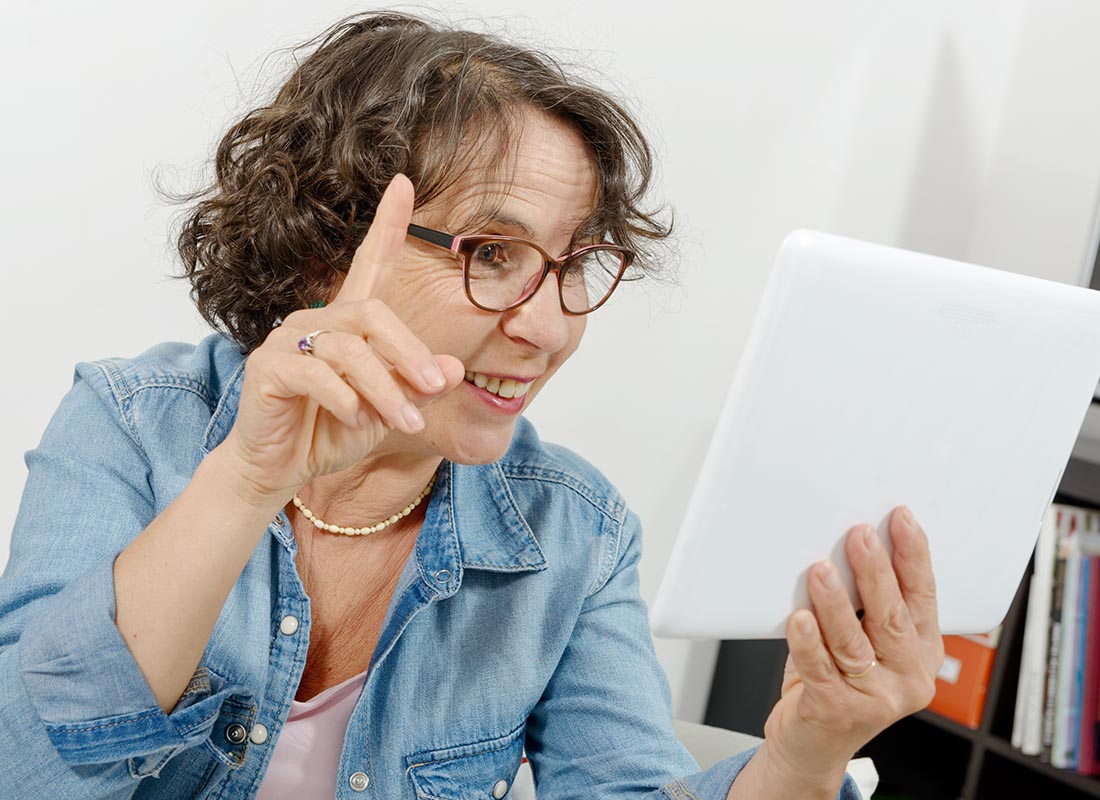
x,y
166,399
529,459
204,370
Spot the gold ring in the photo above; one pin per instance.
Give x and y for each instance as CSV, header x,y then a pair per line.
x,y
863,674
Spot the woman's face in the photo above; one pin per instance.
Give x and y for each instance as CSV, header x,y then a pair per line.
x,y
552,190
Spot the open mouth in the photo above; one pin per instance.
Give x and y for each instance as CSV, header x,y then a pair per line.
x,y
506,388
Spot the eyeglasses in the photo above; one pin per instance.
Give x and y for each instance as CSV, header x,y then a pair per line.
x,y
503,272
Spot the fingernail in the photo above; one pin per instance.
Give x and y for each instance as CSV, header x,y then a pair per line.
x,y
830,577
908,518
870,538
434,376
805,623
412,417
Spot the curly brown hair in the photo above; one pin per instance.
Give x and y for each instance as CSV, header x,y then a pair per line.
x,y
295,181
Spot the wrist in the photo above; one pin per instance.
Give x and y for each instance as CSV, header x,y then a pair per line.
x,y
774,774
232,474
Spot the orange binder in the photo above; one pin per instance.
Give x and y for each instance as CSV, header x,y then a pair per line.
x,y
964,678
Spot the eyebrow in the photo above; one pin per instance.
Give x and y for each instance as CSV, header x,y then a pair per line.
x,y
511,222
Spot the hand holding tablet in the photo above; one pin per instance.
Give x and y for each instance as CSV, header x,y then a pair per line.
x,y
874,377
849,678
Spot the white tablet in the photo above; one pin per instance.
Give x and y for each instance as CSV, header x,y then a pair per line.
x,y
875,377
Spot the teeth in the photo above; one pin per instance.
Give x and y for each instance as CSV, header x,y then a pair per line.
x,y
506,388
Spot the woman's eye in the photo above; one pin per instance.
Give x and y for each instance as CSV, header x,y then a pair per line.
x,y
492,253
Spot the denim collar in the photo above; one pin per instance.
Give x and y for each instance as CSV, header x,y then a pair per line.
x,y
472,520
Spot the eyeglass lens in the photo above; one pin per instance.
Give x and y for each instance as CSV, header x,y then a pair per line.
x,y
502,273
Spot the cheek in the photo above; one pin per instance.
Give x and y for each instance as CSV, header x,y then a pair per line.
x,y
431,303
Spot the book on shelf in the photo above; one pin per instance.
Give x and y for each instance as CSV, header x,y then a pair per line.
x,y
963,680
1088,759
1027,718
1057,714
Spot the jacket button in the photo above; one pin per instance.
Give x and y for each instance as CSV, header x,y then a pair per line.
x,y
289,625
258,734
358,781
236,733
500,788
443,575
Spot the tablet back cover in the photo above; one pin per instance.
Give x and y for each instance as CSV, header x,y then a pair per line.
x,y
875,377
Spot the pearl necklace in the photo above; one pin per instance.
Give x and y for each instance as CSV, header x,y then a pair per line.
x,y
370,529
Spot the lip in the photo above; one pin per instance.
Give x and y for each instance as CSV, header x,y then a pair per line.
x,y
509,406
516,378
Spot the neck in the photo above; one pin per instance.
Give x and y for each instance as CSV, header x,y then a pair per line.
x,y
370,491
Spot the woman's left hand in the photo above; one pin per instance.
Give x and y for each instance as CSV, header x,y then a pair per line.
x,y
848,679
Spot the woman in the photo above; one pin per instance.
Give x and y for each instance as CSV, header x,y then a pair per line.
x,y
321,552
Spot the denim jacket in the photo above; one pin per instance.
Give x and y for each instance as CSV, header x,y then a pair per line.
x,y
516,623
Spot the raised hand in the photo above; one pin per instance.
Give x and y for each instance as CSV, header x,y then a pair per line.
x,y
300,416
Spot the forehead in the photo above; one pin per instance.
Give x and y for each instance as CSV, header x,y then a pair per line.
x,y
547,183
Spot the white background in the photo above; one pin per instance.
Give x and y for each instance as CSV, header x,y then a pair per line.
x,y
965,129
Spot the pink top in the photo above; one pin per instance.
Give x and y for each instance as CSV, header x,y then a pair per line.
x,y
307,752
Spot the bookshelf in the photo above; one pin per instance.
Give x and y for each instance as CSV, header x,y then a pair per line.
x,y
926,756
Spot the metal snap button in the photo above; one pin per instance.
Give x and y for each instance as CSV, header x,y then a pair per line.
x,y
443,575
358,781
500,788
236,733
289,625
258,734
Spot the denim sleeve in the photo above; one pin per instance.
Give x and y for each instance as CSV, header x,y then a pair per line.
x,y
603,727
79,719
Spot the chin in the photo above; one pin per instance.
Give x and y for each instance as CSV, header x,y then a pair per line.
x,y
474,449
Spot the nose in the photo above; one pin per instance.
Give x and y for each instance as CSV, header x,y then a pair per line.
x,y
541,320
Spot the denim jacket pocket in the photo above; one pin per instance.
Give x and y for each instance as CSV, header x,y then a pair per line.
x,y
484,769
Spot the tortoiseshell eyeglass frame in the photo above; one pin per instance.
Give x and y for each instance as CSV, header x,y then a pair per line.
x,y
461,247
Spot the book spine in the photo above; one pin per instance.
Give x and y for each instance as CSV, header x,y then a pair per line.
x,y
1063,747
1088,762
1024,683
1054,651
1040,593
1071,734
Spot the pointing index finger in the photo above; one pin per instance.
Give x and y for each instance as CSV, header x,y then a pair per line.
x,y
383,242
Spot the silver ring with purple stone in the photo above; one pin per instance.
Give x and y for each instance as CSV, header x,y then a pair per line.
x,y
305,344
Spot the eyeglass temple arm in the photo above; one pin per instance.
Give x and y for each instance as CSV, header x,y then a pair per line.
x,y
444,240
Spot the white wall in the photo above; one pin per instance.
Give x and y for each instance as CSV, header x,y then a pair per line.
x,y
966,129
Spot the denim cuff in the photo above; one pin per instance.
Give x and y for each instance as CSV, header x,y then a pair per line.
x,y
715,783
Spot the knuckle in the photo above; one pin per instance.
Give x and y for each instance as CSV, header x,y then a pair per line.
x,y
919,694
927,693
898,619
315,369
296,318
936,657
372,308
821,667
349,348
353,350
853,644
